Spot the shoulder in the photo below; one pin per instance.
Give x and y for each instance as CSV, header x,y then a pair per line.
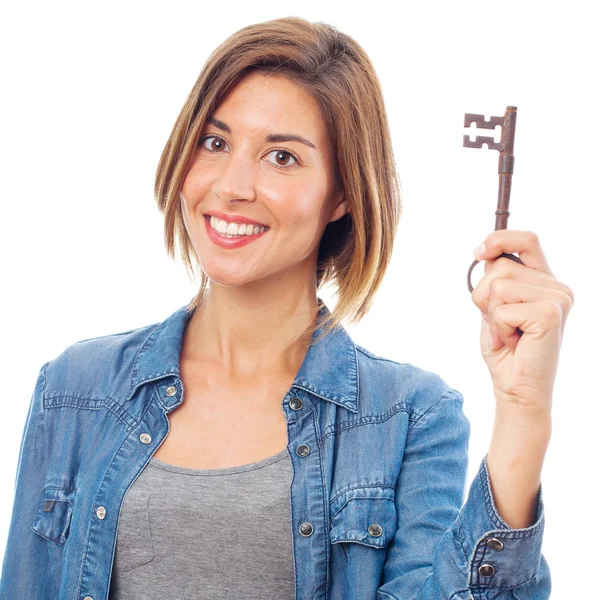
x,y
390,383
96,367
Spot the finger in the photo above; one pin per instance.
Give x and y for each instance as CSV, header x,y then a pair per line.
x,y
525,243
489,340
504,268
509,292
538,320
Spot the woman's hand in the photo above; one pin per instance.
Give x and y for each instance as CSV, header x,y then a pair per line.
x,y
524,309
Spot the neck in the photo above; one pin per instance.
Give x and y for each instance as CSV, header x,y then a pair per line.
x,y
244,334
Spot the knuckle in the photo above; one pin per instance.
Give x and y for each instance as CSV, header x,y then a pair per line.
x,y
498,285
504,265
477,297
567,302
554,311
569,292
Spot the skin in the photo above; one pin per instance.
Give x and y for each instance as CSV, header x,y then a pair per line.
x,y
263,295
524,310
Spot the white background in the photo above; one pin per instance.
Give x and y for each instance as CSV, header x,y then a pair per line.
x,y
91,92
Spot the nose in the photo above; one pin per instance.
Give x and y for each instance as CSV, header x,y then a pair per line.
x,y
235,179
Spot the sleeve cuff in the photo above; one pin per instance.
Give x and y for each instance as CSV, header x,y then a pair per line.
x,y
499,556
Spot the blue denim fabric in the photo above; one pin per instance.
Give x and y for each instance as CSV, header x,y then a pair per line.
x,y
377,504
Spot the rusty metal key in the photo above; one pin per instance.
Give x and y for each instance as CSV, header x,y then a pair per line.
x,y
506,163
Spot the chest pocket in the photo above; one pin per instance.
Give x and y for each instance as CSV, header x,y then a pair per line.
x,y
365,516
53,518
134,546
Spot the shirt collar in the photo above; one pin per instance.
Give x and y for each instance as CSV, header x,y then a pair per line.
x,y
329,369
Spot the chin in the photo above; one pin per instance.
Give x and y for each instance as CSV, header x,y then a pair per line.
x,y
226,277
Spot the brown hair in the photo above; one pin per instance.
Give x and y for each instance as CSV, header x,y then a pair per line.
x,y
355,250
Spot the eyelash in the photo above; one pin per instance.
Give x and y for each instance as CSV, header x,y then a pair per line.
x,y
204,138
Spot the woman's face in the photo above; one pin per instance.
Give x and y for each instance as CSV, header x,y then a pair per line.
x,y
284,184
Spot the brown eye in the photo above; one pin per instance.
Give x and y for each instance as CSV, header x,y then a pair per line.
x,y
215,146
283,155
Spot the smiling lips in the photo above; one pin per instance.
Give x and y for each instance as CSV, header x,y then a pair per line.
x,y
234,229
225,239
233,218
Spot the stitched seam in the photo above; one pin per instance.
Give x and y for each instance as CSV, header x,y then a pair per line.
x,y
114,412
363,487
46,538
367,420
43,401
91,398
433,406
106,403
58,487
307,388
325,507
137,356
99,337
337,512
520,533
351,541
491,586
458,544
135,565
370,354
71,404
455,595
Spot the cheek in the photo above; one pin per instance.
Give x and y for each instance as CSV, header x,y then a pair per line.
x,y
300,206
196,182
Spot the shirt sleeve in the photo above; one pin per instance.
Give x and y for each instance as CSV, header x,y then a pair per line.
x,y
444,549
25,555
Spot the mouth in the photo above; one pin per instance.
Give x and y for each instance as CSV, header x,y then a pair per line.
x,y
225,240
230,218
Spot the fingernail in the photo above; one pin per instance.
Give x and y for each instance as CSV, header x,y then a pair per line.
x,y
479,251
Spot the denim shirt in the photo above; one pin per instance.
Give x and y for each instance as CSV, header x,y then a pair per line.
x,y
379,451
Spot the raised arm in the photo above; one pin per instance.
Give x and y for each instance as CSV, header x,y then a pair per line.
x,y
444,549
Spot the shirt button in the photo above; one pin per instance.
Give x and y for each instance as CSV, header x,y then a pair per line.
x,y
295,404
303,450
88,598
145,438
305,529
171,390
495,543
101,512
486,570
375,530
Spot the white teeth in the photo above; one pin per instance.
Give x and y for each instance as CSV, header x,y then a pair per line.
x,y
233,229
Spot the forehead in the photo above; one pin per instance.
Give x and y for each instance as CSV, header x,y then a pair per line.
x,y
261,103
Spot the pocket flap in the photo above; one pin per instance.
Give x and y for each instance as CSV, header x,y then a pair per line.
x,y
53,517
365,516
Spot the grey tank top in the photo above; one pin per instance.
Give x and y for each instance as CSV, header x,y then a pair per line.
x,y
206,534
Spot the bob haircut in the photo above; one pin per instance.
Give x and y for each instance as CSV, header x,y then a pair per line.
x,y
354,250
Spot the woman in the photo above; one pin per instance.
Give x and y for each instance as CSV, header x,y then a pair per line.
x,y
246,446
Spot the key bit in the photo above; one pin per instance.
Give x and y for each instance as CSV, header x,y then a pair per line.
x,y
481,123
506,163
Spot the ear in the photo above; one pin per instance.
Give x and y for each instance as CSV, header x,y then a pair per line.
x,y
341,207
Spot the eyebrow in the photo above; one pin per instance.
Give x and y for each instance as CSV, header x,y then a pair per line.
x,y
273,137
